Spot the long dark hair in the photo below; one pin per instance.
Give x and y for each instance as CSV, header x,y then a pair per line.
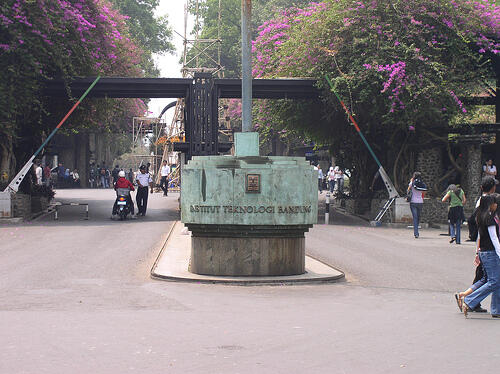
x,y
497,197
484,209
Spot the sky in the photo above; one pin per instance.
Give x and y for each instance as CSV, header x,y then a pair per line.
x,y
169,64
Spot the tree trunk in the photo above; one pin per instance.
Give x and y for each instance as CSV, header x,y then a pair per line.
x,y
6,159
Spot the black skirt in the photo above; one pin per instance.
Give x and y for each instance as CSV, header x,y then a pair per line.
x,y
456,214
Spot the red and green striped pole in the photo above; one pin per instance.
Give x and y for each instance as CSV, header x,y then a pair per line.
x,y
353,121
67,115
16,182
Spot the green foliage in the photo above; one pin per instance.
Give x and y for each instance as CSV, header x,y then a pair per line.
x,y
230,28
398,66
61,39
152,33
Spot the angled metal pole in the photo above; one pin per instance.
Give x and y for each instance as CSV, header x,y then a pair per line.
x,y
14,185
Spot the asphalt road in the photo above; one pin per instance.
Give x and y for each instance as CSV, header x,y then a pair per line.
x,y
75,296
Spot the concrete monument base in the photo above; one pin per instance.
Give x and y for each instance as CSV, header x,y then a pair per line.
x,y
247,250
248,213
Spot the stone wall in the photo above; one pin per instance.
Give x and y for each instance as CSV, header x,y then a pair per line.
x,y
434,211
21,205
471,180
430,164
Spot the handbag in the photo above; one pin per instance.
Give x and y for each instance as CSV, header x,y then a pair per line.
x,y
409,195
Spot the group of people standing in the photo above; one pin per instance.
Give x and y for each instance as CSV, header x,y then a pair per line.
x,y
59,177
334,178
101,177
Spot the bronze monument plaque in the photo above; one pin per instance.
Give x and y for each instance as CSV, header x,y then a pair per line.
x,y
253,183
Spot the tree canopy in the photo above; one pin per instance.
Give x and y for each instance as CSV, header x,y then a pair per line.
x,y
401,67
62,39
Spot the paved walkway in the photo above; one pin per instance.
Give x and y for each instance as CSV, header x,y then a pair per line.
x,y
76,296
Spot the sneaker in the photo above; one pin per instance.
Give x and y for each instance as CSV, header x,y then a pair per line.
x,y
495,315
478,309
452,239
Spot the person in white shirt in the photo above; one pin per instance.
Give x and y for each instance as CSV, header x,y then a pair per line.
x,y
39,174
144,181
489,169
165,171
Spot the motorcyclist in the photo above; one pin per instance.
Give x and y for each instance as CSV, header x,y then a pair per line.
x,y
123,183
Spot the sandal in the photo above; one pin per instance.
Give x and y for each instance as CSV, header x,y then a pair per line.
x,y
459,301
465,309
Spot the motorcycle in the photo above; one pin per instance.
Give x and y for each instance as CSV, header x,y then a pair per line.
x,y
123,207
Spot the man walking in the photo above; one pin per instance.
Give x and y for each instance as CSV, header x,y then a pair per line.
x,y
38,173
165,171
144,181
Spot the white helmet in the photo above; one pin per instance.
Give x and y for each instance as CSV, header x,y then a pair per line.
x,y
121,174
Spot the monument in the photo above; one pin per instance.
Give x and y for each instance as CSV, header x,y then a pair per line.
x,y
248,213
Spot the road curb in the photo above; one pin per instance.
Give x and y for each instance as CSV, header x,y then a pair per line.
x,y
173,273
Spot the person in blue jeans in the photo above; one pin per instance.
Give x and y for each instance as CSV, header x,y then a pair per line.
x,y
489,253
457,199
417,189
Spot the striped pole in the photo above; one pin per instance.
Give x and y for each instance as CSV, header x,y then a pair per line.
x,y
353,122
67,115
15,183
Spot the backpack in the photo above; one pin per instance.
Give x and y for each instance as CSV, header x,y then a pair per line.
x,y
419,185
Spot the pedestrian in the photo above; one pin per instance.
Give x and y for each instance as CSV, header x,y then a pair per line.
x,y
320,177
102,177
75,178
487,188
331,179
489,255
47,175
60,175
165,172
108,178
92,176
481,277
416,192
67,178
114,174
38,173
456,216
339,180
143,180
130,176
489,169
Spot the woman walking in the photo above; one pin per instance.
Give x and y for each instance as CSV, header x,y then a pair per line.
x,y
489,254
416,188
456,212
